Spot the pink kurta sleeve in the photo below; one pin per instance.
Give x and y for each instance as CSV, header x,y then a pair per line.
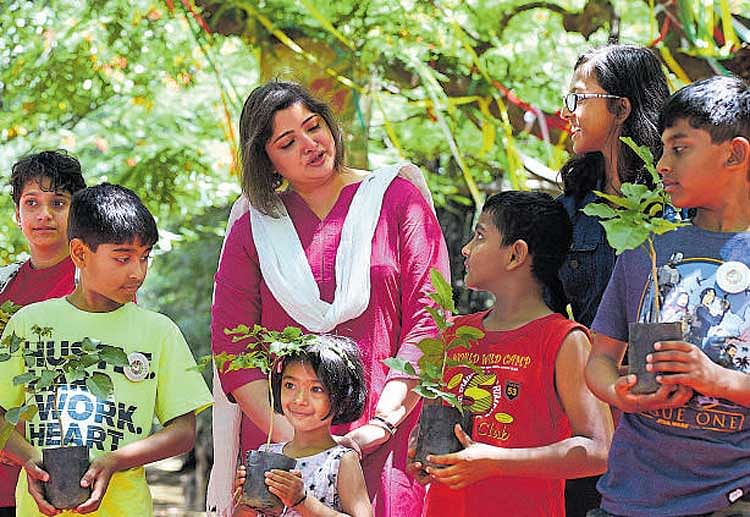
x,y
422,248
236,298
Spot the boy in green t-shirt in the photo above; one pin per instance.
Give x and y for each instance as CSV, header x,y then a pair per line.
x,y
111,234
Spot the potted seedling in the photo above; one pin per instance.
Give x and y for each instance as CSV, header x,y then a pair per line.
x,y
47,385
437,420
265,350
631,220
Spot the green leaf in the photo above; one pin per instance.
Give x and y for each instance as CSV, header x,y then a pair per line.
x,y
292,333
617,200
24,378
29,359
437,317
201,364
469,332
221,360
624,236
87,345
113,355
600,210
4,356
400,365
644,153
74,374
634,191
17,414
452,400
100,385
15,343
239,329
425,392
90,359
431,346
443,290
46,379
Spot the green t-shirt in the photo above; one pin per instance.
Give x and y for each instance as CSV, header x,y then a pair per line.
x,y
165,390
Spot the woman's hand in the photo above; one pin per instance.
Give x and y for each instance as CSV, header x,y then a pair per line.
x,y
288,486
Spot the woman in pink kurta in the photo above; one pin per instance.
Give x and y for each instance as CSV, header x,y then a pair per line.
x,y
407,242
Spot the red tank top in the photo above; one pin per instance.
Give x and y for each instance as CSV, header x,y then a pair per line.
x,y
29,286
515,404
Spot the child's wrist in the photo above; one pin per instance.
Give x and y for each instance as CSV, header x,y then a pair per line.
x,y
301,501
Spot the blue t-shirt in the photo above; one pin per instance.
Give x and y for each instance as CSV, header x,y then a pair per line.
x,y
696,458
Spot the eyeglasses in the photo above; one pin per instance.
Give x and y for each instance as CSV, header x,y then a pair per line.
x,y
571,100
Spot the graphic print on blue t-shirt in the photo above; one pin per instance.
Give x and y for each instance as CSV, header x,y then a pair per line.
x,y
711,299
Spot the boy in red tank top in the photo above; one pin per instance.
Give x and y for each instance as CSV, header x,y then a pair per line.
x,y
535,421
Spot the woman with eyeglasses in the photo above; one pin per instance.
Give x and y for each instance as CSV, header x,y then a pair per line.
x,y
615,91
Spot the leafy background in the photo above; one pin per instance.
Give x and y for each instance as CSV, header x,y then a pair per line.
x,y
148,93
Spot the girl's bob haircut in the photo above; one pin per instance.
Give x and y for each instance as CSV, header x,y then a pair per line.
x,y
338,366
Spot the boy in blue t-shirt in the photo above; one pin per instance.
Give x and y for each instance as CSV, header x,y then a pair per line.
x,y
111,234
685,449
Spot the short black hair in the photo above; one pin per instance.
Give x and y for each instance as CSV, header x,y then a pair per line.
x,y
61,169
110,214
719,105
338,366
541,222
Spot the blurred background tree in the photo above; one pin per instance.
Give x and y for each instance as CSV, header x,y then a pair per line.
x,y
147,93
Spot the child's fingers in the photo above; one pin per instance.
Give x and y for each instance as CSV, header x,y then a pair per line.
x,y
88,478
36,472
464,438
274,478
98,482
681,346
35,490
442,459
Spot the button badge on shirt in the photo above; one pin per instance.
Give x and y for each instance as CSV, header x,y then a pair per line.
x,y
733,277
138,368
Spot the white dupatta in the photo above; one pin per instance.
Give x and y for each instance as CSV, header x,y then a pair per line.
x,y
287,274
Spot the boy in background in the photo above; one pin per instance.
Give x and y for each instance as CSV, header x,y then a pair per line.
x,y
684,450
42,186
111,235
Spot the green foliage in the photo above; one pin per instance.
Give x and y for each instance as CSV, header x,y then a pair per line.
x,y
430,368
634,217
7,309
70,368
264,348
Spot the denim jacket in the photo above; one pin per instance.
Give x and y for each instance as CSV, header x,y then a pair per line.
x,y
589,264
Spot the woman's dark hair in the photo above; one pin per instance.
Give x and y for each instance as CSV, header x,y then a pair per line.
x,y
338,366
626,71
110,214
55,171
259,178
541,222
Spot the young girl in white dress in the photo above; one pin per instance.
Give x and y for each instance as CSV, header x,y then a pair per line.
x,y
322,386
